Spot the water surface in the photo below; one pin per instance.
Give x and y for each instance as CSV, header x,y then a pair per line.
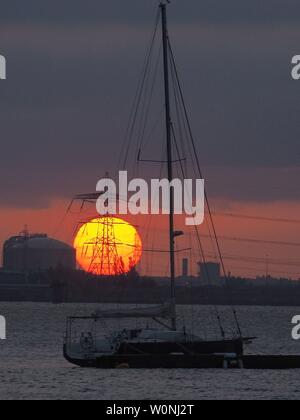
x,y
32,365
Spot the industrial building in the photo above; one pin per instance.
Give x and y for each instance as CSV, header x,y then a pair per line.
x,y
31,253
210,274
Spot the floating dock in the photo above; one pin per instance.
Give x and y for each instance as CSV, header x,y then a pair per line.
x,y
271,362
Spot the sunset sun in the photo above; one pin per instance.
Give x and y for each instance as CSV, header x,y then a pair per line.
x,y
108,246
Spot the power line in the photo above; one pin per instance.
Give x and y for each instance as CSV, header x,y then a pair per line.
x,y
248,240
256,241
261,218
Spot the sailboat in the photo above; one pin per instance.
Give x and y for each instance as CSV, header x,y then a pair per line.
x,y
164,347
167,345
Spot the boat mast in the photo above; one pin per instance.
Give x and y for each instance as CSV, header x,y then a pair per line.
x,y
170,158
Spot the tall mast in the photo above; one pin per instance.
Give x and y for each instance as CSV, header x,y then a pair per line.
x,y
170,158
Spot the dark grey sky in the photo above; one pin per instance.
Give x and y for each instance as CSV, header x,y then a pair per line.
x,y
72,73
73,11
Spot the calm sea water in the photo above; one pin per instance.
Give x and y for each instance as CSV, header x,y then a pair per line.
x,y
32,365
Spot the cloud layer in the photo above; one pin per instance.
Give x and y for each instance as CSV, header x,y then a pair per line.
x,y
72,73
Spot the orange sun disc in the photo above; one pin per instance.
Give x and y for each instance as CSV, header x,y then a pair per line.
x,y
108,246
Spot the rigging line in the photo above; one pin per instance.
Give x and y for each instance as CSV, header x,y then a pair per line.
x,y
142,106
146,104
132,126
199,240
183,119
142,136
180,115
177,107
131,118
130,129
177,95
149,137
200,173
147,228
150,219
68,210
192,259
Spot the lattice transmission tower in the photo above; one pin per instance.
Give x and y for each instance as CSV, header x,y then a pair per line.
x,y
105,259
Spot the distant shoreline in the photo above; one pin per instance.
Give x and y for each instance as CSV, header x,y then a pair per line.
x,y
284,296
